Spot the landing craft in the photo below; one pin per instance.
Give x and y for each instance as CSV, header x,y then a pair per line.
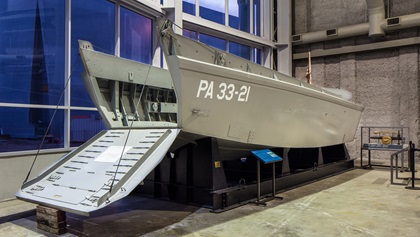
x,y
205,93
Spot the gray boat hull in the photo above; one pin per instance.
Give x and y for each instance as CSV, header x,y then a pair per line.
x,y
234,105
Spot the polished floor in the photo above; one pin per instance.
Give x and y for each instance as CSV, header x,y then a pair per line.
x,y
360,202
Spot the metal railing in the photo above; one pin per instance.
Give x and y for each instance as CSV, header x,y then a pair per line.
x,y
395,156
412,167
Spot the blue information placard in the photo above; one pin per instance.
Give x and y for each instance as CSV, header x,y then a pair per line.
x,y
267,156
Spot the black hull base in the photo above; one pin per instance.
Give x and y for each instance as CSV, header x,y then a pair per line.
x,y
197,174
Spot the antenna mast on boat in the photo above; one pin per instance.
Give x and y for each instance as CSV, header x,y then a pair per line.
x,y
309,68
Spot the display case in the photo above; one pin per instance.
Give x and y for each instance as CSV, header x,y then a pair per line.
x,y
382,138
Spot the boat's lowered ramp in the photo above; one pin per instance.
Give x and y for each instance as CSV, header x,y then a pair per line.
x,y
103,170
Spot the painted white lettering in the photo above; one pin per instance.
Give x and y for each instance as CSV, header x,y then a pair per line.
x,y
202,87
247,93
222,93
242,93
209,92
231,91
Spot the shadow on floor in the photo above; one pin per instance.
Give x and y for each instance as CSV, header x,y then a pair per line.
x,y
131,216
135,215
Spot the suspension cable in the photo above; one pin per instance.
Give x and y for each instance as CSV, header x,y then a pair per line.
x,y
130,127
50,123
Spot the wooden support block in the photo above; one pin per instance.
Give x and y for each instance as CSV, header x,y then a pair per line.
x,y
50,211
51,230
51,220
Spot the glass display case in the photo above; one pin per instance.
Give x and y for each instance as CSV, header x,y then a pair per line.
x,y
382,138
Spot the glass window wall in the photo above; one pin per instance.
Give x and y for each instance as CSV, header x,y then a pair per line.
x,y
190,34
240,50
84,125
94,21
136,36
213,10
32,63
32,51
257,17
252,54
23,129
239,14
257,56
213,41
188,6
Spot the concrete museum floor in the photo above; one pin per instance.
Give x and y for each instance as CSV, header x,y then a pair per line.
x,y
360,202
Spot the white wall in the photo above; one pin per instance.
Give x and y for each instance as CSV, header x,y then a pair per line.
x,y
13,171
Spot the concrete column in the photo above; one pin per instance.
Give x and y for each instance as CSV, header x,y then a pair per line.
x,y
284,32
408,83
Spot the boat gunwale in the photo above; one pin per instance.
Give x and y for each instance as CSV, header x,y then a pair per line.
x,y
263,81
93,73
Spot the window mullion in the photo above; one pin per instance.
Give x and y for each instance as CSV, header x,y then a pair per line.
x,y
117,28
226,12
67,74
251,18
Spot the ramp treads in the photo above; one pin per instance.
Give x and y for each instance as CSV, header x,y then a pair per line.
x,y
81,181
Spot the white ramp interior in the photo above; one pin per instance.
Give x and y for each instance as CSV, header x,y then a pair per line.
x,y
81,181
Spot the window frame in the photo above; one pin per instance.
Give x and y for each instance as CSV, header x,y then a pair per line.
x,y
226,15
151,9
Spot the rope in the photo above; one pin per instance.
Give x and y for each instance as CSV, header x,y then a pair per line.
x,y
55,111
49,125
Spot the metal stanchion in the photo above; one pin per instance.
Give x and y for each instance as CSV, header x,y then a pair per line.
x,y
412,167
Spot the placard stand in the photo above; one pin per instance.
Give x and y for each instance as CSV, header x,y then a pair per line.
x,y
267,157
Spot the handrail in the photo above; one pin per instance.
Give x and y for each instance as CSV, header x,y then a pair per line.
x,y
412,160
